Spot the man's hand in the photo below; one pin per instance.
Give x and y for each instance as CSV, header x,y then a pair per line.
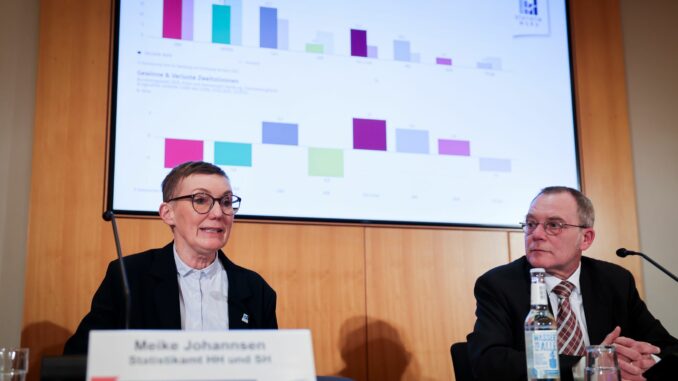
x,y
634,356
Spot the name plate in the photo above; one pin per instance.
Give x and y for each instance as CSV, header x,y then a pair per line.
x,y
239,355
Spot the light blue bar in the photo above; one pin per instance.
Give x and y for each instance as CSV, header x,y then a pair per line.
x,y
280,133
401,50
326,39
283,34
412,141
495,165
236,21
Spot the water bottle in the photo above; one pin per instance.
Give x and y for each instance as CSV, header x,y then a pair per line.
x,y
541,333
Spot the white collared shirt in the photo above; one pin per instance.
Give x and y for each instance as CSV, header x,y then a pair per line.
x,y
203,296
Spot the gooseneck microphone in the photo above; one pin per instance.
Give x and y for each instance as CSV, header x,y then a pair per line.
x,y
110,216
623,253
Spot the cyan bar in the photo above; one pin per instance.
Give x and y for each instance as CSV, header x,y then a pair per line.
x,y
221,24
234,154
454,147
369,134
280,133
495,165
268,27
411,141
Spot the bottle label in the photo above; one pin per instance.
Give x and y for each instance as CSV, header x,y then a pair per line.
x,y
538,294
542,354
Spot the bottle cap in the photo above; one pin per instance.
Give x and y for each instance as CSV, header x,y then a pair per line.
x,y
537,270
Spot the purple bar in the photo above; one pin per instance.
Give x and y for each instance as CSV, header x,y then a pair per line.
x,y
372,51
454,147
444,61
171,19
358,43
187,20
179,151
369,134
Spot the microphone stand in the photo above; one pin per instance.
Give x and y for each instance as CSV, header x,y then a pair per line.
x,y
110,216
623,253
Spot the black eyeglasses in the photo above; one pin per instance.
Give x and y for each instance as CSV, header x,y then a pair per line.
x,y
550,227
203,202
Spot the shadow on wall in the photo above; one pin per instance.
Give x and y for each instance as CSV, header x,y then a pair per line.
x,y
43,339
381,343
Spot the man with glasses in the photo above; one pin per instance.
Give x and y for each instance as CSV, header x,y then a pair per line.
x,y
189,284
593,301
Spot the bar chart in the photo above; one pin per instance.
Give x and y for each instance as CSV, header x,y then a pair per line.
x,y
349,106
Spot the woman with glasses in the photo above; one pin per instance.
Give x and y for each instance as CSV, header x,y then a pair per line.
x,y
190,283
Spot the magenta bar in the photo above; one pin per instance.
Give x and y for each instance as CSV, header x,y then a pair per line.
x,y
187,20
358,43
171,19
179,151
369,134
454,147
444,61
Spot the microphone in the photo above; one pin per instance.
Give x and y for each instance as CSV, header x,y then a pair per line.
x,y
110,216
622,252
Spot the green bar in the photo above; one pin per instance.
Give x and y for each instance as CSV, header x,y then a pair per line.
x,y
221,24
325,162
236,154
315,48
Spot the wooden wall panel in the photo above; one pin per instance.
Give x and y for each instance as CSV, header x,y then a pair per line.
x,y
66,236
375,298
604,138
319,274
516,244
420,297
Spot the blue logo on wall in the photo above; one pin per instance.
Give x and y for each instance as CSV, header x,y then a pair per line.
x,y
529,7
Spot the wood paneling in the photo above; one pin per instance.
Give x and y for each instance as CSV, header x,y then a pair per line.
x,y
319,274
604,138
420,297
383,303
516,244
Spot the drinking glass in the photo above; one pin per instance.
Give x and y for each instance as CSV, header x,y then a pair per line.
x,y
601,364
13,364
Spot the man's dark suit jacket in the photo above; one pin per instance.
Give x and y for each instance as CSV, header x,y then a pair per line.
x,y
497,344
154,294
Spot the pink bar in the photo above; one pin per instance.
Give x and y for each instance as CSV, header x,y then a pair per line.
x,y
444,61
171,19
454,147
179,151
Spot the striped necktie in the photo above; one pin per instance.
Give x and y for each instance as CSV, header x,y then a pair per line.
x,y
570,338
